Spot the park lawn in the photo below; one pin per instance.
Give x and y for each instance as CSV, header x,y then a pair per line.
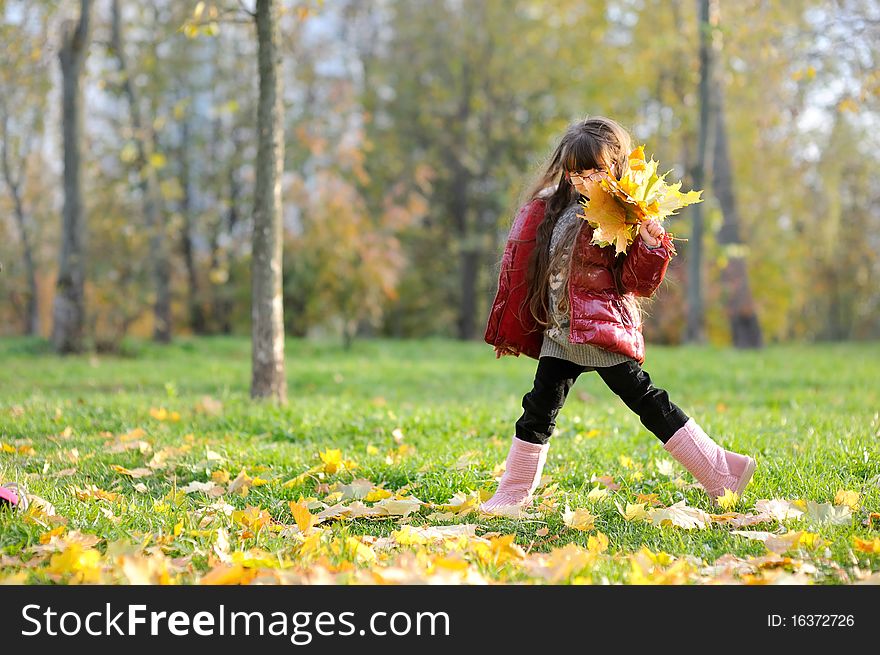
x,y
430,419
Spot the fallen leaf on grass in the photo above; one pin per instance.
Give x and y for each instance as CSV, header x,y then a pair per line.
x,y
728,500
332,461
399,507
497,550
92,492
241,485
209,488
782,543
849,498
738,520
83,564
867,545
445,535
303,517
648,568
228,574
461,504
633,511
648,499
133,473
356,489
162,414
597,494
778,509
141,570
680,515
828,513
252,517
578,519
606,481
560,564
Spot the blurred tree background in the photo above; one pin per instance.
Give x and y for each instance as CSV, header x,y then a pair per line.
x,y
411,128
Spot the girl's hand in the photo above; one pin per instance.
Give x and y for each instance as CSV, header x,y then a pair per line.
x,y
651,232
501,351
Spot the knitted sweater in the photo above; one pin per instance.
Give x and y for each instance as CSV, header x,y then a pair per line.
x,y
556,343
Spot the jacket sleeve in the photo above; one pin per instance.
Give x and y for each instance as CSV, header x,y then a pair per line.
x,y
644,267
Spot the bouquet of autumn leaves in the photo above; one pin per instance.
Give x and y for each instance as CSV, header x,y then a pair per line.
x,y
616,207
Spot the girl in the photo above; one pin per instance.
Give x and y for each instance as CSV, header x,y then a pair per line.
x,y
572,306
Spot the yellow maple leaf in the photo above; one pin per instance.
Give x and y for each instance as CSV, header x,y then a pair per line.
x,y
83,563
332,459
607,217
241,484
597,543
633,511
597,493
728,500
639,195
648,499
850,498
226,574
561,563
142,570
377,493
499,550
578,519
867,545
680,515
406,536
220,477
46,537
252,517
303,517
94,493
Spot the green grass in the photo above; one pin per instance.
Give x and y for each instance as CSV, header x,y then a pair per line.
x,y
808,413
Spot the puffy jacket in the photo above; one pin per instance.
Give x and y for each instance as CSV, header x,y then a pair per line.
x,y
600,314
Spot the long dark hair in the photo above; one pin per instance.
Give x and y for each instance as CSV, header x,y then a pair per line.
x,y
598,142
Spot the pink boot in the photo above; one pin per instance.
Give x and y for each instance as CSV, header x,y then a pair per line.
x,y
713,467
11,494
525,461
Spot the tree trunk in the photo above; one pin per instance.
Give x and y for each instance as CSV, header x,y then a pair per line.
x,y
469,251
223,304
267,308
145,139
695,328
196,314
744,327
32,313
13,181
68,312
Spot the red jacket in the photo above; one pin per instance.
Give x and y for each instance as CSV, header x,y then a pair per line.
x,y
600,314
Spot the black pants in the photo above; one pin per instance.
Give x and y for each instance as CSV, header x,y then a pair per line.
x,y
554,379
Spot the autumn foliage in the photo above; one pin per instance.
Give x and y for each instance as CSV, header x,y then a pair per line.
x,y
615,207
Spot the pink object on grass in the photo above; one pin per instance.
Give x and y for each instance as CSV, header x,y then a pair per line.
x,y
522,473
9,496
713,467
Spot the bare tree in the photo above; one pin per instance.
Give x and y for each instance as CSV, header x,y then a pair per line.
x,y
69,307
145,140
267,309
